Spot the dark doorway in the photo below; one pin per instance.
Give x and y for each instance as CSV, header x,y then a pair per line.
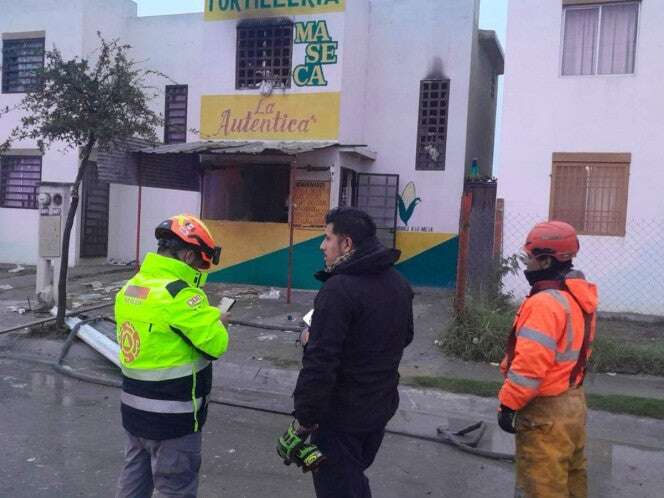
x,y
254,192
348,188
94,221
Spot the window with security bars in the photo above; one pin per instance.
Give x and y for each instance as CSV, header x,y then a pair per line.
x,y
432,124
21,60
264,53
175,115
19,181
589,191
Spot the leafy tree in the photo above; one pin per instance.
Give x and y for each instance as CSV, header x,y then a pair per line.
x,y
87,105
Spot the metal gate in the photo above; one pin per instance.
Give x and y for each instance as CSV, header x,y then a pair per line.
x,y
94,215
377,195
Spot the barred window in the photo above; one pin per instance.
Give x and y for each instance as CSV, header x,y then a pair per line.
x,y
21,59
175,115
432,124
19,181
264,52
589,191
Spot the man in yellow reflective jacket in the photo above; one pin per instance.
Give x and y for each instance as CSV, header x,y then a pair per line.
x,y
168,335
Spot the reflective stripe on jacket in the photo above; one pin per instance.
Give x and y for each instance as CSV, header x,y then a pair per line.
x,y
168,334
549,329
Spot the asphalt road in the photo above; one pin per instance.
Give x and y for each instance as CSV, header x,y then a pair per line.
x,y
63,438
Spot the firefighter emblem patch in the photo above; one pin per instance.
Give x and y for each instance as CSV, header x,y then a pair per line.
x,y
130,342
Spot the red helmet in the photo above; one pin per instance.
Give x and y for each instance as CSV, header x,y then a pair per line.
x,y
553,238
192,232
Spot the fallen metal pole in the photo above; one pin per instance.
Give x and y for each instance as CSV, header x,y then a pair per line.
x,y
52,318
84,330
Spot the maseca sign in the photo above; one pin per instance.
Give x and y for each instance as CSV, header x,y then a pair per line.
x,y
220,10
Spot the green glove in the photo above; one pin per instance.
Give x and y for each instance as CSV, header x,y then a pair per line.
x,y
292,448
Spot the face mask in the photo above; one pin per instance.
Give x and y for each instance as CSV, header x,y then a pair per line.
x,y
534,276
531,276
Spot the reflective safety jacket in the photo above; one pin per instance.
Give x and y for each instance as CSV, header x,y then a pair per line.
x,y
168,335
546,342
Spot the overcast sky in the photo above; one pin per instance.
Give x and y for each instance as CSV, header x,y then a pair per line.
x,y
492,16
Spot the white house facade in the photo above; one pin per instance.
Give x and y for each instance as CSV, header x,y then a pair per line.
x,y
380,104
581,133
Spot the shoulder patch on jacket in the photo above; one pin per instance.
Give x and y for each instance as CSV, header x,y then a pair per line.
x,y
174,288
194,301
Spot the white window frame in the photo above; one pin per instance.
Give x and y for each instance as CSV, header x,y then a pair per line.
x,y
600,6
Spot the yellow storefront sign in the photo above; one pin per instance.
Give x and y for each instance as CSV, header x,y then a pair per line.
x,y
310,116
221,10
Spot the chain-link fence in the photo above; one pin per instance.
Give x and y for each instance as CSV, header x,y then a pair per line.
x,y
628,269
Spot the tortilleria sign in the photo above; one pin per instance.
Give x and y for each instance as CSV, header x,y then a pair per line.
x,y
306,116
221,10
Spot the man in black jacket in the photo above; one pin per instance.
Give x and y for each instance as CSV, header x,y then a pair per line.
x,y
363,319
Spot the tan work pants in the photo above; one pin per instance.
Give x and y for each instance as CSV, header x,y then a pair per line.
x,y
550,460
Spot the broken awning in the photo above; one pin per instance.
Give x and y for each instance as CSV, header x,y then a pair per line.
x,y
255,147
177,166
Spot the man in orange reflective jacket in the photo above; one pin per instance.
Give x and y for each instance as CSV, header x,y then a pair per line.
x,y
542,399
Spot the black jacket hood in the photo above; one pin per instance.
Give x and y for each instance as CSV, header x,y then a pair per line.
x,y
371,257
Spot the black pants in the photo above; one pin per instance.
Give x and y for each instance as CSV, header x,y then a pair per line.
x,y
348,456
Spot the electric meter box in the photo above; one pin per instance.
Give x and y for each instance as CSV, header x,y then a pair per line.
x,y
54,200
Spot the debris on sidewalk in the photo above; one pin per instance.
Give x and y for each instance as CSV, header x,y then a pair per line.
x,y
271,294
5,287
267,337
119,262
239,292
90,297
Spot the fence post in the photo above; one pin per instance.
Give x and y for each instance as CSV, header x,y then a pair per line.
x,y
498,230
464,244
291,229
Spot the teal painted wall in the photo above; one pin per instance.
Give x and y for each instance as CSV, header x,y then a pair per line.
x,y
433,268
272,269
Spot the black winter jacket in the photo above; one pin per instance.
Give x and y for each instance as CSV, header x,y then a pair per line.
x,y
363,320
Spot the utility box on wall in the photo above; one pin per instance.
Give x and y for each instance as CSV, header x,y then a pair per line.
x,y
50,236
54,201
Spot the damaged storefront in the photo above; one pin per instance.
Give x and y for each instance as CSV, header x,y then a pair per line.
x,y
265,202
283,110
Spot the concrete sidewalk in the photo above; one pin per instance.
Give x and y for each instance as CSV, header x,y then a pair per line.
x,y
18,294
432,311
625,452
94,284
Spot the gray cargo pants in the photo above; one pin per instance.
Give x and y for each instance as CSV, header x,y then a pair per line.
x,y
170,466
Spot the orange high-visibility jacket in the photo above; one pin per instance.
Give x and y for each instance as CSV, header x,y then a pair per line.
x,y
549,328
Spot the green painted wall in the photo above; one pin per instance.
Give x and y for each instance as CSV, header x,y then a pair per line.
x,y
433,268
272,269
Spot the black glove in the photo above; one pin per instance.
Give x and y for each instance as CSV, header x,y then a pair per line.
x,y
507,419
